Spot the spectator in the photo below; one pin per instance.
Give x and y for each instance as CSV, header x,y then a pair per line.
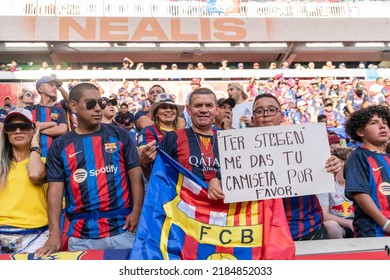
x,y
242,112
23,216
284,65
165,114
200,66
240,66
45,69
103,207
127,64
366,171
376,91
124,117
13,66
140,66
328,65
224,116
342,66
50,119
303,213
174,68
302,116
256,65
124,91
7,102
190,66
332,116
224,65
142,118
272,66
337,208
386,89
26,97
356,99
311,65
108,115
137,89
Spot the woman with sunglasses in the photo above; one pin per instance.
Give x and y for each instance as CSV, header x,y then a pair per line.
x,y
26,97
23,208
165,114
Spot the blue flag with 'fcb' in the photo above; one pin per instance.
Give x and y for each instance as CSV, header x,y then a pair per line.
x,y
178,221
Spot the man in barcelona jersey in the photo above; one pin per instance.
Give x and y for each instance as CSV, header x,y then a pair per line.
x,y
96,168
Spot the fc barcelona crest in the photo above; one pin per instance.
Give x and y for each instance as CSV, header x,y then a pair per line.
x,y
110,147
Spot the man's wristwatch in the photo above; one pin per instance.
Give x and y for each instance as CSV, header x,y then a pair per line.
x,y
36,149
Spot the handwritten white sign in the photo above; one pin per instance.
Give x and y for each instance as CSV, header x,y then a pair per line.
x,y
277,161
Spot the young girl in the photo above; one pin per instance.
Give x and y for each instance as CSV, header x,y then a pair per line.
x,y
367,171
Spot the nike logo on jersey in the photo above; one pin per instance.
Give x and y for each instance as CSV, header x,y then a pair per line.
x,y
72,155
376,169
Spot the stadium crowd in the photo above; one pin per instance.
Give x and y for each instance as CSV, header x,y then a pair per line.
x,y
61,122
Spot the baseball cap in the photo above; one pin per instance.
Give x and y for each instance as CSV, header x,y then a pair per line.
x,y
174,65
46,79
237,86
359,86
20,112
229,100
333,139
113,96
112,101
240,65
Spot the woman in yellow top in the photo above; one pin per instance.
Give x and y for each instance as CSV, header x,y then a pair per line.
x,y
23,208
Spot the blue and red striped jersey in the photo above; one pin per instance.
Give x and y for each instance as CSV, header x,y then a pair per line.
x,y
368,172
304,214
196,152
42,113
150,133
94,169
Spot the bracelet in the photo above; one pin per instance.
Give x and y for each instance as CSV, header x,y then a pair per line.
x,y
386,225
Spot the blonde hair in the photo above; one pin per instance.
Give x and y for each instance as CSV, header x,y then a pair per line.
x,y
19,103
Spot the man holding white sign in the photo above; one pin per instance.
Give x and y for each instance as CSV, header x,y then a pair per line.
x,y
303,212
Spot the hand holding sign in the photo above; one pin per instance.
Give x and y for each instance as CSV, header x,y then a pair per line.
x,y
275,161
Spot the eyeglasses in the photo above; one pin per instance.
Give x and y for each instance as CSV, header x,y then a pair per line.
x,y
91,103
271,111
29,94
11,128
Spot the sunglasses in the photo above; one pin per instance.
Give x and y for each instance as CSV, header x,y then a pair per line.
x,y
11,128
328,105
91,103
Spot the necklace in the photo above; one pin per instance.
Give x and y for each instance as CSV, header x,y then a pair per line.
x,y
200,147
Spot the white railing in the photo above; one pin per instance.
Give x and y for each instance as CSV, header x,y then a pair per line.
x,y
162,8
263,74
